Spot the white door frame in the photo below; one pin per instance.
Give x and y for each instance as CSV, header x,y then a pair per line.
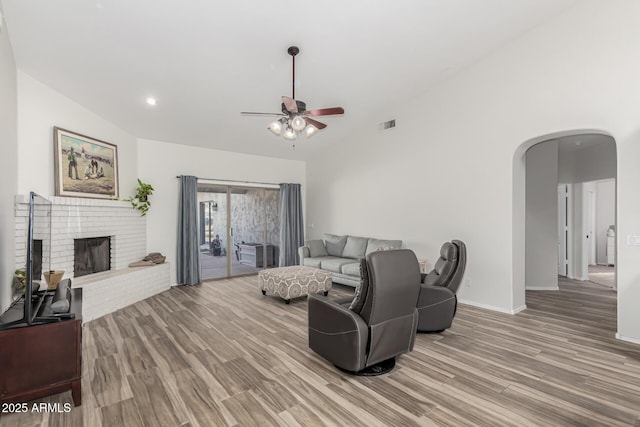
x,y
563,230
590,235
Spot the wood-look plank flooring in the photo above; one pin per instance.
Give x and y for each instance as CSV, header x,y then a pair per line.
x,y
221,354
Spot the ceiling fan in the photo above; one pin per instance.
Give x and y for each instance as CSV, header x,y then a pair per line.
x,y
295,118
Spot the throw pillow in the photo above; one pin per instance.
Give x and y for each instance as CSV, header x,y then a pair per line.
x,y
316,248
335,244
355,247
361,292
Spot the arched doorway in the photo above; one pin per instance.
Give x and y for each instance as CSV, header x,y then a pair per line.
x,y
581,156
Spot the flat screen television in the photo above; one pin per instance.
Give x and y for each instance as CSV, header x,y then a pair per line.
x,y
37,259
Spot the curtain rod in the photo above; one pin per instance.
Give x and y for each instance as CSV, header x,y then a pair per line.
x,y
235,182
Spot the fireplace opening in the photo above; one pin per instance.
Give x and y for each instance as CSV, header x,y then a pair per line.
x,y
91,255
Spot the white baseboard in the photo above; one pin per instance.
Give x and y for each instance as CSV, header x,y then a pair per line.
x,y
519,309
492,307
542,288
627,339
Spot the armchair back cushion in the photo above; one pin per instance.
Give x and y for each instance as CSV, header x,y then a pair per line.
x,y
444,267
394,279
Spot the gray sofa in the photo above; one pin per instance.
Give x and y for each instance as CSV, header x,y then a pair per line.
x,y
341,255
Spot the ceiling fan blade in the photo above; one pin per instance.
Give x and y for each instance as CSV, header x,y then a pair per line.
x,y
315,123
249,113
290,104
325,111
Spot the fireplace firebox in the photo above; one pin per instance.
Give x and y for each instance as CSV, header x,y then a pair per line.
x,y
91,255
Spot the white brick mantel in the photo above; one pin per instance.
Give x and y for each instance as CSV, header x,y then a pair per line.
x,y
76,218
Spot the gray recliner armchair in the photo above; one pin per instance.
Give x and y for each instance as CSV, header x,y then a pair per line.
x,y
364,334
437,302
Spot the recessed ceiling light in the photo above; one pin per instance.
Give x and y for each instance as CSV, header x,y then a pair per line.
x,y
151,101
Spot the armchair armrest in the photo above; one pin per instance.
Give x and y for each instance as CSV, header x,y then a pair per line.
x,y
337,333
436,308
433,295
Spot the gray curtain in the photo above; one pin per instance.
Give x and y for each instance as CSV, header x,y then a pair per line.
x,y
188,262
291,224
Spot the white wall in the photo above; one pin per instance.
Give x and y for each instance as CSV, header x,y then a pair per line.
x,y
541,229
448,170
40,108
159,163
590,164
596,163
8,166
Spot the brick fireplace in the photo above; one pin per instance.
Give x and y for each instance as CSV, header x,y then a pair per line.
x,y
74,218
116,221
91,255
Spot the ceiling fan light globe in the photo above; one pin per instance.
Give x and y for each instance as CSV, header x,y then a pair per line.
x,y
298,123
275,127
289,134
310,131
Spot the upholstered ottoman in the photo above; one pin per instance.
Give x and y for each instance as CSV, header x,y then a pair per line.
x,y
295,281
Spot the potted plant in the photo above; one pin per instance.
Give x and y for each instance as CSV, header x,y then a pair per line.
x,y
141,200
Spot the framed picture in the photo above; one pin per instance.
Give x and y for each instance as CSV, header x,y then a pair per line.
x,y
84,166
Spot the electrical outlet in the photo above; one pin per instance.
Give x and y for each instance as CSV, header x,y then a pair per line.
x,y
467,282
633,240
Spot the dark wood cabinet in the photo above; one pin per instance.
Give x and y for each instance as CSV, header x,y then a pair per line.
x,y
41,360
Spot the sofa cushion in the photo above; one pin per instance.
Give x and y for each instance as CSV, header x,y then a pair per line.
x,y
316,248
378,244
334,244
355,247
352,269
334,264
317,262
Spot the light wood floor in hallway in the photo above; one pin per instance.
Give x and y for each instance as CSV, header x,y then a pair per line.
x,y
223,354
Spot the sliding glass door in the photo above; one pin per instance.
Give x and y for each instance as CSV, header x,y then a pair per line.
x,y
239,230
255,226
213,231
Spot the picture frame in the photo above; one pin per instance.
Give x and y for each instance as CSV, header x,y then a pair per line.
x,y
95,172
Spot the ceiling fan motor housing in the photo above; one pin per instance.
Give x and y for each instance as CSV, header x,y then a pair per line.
x,y
302,107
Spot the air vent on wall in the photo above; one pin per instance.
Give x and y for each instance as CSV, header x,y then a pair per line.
x,y
387,125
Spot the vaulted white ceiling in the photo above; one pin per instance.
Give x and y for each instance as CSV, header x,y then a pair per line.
x,y
205,61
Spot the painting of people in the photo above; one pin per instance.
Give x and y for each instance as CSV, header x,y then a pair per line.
x,y
85,167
